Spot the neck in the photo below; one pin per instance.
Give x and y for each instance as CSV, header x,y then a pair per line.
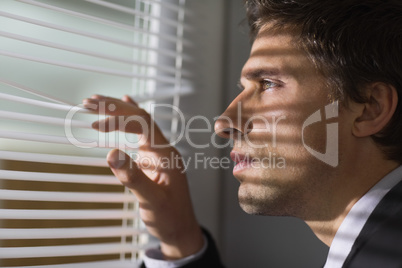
x,y
346,190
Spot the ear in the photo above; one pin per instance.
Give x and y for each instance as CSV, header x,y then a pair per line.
x,y
377,111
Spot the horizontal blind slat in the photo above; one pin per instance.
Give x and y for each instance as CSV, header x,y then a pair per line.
x,y
82,67
44,119
70,214
44,138
31,40
103,21
163,95
59,177
43,104
131,11
84,197
54,159
64,251
165,52
55,121
82,143
101,264
109,143
68,233
78,109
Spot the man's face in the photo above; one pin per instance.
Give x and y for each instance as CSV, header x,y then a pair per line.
x,y
281,89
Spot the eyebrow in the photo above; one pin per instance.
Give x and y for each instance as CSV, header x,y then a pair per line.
x,y
256,74
261,73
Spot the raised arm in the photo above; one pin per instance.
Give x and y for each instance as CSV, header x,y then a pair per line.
x,y
162,192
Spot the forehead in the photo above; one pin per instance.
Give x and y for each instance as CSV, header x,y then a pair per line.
x,y
277,50
276,37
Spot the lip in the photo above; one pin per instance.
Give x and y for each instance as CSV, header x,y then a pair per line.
x,y
242,161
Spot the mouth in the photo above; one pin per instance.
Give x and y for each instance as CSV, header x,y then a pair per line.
x,y
243,162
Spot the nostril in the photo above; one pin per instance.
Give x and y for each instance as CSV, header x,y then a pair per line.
x,y
248,127
222,128
230,133
223,132
229,128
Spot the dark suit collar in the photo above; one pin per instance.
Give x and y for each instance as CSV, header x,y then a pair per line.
x,y
390,206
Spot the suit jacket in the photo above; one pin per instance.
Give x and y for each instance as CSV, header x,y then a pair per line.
x,y
379,244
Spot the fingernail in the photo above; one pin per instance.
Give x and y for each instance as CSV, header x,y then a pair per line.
x,y
116,159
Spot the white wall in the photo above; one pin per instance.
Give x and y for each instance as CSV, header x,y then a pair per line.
x,y
207,69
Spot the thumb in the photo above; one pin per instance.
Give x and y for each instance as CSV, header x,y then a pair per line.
x,y
131,176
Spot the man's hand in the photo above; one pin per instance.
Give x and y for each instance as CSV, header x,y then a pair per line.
x,y
163,195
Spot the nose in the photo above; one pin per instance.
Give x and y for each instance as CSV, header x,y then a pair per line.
x,y
233,123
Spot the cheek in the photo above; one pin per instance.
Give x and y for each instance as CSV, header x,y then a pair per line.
x,y
285,145
315,136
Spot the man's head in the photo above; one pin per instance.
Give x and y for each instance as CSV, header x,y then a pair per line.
x,y
300,62
351,42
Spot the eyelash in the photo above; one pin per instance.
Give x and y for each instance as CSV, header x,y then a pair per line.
x,y
273,85
262,83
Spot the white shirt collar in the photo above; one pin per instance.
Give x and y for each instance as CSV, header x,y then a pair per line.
x,y
357,217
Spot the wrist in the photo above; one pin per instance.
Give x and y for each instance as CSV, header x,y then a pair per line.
x,y
183,245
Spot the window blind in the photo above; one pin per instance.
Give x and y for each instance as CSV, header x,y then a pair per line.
x,y
59,204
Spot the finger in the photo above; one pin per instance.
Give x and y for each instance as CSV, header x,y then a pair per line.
x,y
151,135
99,97
111,106
127,99
132,177
98,102
137,124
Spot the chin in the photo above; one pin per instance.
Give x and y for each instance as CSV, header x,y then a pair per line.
x,y
250,203
252,210
267,203
253,207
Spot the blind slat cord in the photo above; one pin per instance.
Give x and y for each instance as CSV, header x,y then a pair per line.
x,y
179,64
33,92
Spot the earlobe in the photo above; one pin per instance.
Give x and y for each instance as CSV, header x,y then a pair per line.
x,y
376,113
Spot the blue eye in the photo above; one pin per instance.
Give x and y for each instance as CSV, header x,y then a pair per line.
x,y
268,85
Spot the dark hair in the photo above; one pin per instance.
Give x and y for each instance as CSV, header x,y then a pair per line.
x,y
352,42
